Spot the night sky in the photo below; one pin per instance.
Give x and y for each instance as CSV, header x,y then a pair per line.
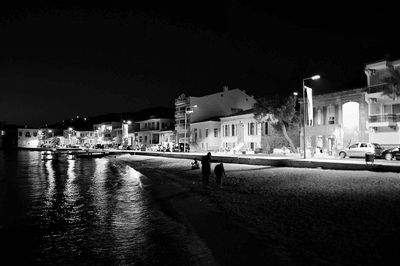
x,y
65,59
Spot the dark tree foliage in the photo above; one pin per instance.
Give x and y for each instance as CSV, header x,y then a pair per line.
x,y
281,112
392,86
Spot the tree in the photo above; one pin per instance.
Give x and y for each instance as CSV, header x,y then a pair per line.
x,y
281,112
392,86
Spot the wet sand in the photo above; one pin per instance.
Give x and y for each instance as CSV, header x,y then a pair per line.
x,y
281,216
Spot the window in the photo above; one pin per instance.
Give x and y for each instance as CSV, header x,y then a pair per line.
x,y
375,109
226,133
266,128
363,145
319,117
199,133
353,146
20,133
34,133
331,114
251,129
396,108
387,109
206,132
233,130
145,139
215,132
27,134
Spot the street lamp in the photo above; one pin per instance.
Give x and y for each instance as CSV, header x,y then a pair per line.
x,y
69,135
304,112
125,124
187,111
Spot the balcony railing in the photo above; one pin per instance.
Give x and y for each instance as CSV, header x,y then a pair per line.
x,y
183,101
384,118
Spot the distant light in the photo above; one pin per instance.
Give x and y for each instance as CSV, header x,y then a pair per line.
x,y
84,118
129,122
315,77
295,93
70,128
77,116
195,105
50,131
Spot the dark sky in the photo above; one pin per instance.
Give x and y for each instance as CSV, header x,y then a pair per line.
x,y
65,59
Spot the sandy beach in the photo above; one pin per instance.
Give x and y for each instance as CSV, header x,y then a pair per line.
x,y
280,216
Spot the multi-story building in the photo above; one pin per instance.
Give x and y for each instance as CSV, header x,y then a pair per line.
x,y
241,132
205,135
339,119
383,110
28,138
108,132
190,109
154,133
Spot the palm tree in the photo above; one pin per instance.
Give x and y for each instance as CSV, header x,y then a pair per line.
x,y
281,112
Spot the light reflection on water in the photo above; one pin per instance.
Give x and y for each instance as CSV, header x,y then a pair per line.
x,y
84,211
81,211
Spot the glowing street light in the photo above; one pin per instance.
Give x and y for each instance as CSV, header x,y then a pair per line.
x,y
315,77
188,110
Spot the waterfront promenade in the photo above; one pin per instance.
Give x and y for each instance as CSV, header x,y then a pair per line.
x,y
294,160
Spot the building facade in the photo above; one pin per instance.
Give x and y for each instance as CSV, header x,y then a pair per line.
x,y
205,135
190,109
339,119
155,133
383,121
28,138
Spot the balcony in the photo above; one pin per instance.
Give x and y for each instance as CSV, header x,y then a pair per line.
x,y
383,118
180,114
181,101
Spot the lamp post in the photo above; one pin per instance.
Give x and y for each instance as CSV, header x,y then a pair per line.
x,y
304,112
125,124
188,110
69,135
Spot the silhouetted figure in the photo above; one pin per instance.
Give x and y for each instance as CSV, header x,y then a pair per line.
x,y
206,168
219,171
195,164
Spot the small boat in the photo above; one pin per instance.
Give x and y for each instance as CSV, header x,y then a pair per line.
x,y
92,154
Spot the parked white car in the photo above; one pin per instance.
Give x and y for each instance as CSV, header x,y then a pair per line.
x,y
359,149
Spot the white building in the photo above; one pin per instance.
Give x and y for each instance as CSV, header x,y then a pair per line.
x,y
383,111
155,132
190,109
241,132
205,135
28,138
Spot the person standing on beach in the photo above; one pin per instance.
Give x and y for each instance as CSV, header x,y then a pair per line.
x,y
206,168
219,171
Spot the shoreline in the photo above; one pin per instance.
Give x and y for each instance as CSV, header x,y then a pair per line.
x,y
280,216
187,202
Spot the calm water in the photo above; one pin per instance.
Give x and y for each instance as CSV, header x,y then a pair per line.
x,y
84,211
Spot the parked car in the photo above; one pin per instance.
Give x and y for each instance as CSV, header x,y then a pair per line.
x,y
359,149
392,153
